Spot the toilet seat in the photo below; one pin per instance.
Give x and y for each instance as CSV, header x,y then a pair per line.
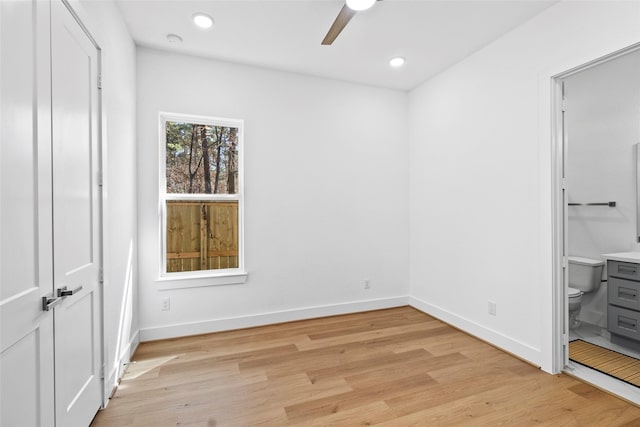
x,y
574,293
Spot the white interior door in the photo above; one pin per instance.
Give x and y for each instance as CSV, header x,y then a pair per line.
x,y
76,220
26,272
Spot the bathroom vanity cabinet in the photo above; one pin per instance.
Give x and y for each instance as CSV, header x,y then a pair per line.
x,y
623,302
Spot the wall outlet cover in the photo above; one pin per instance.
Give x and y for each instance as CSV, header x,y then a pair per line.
x,y
492,308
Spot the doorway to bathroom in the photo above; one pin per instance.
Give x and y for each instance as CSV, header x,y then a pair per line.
x,y
598,127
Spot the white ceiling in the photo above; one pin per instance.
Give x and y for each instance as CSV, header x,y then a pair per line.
x,y
286,35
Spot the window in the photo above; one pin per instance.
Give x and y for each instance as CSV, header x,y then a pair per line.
x,y
201,195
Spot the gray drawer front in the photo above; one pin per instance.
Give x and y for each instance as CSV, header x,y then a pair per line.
x,y
624,270
623,322
624,293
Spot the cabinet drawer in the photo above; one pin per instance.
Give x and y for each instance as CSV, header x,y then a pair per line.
x,y
624,293
622,321
624,270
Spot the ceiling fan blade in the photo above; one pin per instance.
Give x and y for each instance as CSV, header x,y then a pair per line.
x,y
338,25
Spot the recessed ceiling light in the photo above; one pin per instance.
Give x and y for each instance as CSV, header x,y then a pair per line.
x,y
174,38
360,4
203,20
397,61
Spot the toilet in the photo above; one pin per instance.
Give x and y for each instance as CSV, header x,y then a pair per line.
x,y
585,275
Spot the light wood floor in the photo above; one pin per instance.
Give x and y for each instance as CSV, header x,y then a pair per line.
x,y
396,367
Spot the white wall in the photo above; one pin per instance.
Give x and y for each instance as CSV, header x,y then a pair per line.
x,y
603,125
480,175
104,21
326,194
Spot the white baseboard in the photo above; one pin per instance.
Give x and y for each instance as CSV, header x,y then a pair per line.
x,y
240,322
515,347
117,369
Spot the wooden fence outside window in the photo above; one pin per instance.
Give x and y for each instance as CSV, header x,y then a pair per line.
x,y
201,235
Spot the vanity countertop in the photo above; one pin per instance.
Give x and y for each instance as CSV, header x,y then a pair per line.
x,y
623,256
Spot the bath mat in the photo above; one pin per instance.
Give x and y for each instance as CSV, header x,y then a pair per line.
x,y
617,365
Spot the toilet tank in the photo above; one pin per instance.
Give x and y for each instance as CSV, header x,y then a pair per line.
x,y
585,274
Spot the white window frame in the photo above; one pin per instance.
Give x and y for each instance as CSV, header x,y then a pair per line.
x,y
217,277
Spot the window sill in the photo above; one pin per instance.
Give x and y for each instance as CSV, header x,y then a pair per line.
x,y
200,280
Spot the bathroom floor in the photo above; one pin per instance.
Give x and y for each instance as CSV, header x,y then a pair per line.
x,y
600,336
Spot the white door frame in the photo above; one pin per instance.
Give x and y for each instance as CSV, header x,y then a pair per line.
x,y
560,309
559,241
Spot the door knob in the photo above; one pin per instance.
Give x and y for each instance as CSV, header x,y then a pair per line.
x,y
64,292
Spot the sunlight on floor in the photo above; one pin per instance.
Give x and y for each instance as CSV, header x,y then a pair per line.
x,y
137,369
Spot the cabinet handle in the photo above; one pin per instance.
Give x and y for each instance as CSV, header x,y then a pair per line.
x,y
626,293
627,269
626,323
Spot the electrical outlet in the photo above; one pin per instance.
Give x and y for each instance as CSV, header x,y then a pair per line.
x,y
166,304
367,283
492,308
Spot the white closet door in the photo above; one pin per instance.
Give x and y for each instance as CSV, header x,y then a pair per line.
x,y
76,220
26,331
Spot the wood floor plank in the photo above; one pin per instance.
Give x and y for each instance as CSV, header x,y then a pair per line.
x,y
367,415
304,361
145,386
357,398
406,369
367,364
374,325
392,335
396,367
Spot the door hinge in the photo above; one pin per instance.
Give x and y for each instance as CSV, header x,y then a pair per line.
x,y
101,275
99,81
564,262
564,183
102,371
99,178
565,339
